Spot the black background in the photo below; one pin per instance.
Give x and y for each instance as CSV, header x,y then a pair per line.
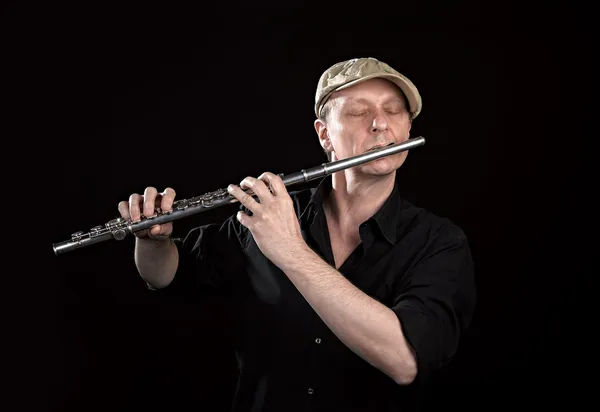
x,y
108,101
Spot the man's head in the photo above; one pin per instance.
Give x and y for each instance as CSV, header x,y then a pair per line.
x,y
350,72
361,104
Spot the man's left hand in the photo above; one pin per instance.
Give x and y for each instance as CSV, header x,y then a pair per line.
x,y
273,223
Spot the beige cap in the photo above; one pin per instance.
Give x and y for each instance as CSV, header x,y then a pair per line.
x,y
350,72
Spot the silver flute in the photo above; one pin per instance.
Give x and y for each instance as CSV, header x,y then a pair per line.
x,y
119,228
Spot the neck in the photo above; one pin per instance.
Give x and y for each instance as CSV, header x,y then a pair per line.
x,y
354,199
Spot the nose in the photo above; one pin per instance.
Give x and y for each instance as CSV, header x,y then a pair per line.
x,y
379,123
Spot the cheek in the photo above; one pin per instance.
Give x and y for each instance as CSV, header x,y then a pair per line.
x,y
338,128
402,129
338,134
344,139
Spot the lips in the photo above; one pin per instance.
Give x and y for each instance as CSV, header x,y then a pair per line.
x,y
379,147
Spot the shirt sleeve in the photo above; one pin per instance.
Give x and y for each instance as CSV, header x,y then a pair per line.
x,y
436,304
210,258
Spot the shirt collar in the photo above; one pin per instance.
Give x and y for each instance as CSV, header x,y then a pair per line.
x,y
386,219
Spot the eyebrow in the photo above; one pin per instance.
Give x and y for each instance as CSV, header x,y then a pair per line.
x,y
365,101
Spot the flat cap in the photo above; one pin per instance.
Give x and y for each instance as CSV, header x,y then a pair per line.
x,y
350,72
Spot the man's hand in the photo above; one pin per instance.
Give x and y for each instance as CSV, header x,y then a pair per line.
x,y
273,223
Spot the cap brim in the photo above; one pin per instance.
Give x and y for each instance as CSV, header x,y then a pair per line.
x,y
409,90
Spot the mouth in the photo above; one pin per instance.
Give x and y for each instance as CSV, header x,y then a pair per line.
x,y
381,146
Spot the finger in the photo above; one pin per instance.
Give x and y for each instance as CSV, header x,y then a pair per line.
x,y
161,231
274,183
124,209
243,197
149,201
134,206
168,196
155,230
244,219
258,187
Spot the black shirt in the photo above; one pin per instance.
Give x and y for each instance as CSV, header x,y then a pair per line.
x,y
414,262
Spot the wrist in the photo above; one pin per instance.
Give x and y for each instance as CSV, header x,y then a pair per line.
x,y
296,257
155,242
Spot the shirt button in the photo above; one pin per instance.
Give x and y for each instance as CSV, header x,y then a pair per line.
x,y
318,340
310,391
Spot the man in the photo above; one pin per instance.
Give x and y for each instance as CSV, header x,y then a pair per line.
x,y
349,297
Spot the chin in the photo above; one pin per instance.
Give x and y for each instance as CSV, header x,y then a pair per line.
x,y
384,166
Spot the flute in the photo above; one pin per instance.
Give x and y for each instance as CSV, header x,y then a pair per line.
x,y
120,228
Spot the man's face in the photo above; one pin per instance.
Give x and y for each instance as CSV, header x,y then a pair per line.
x,y
368,115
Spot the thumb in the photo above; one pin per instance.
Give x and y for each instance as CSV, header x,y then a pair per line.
x,y
160,232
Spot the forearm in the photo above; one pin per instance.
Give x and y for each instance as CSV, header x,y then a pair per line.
x,y
156,261
367,327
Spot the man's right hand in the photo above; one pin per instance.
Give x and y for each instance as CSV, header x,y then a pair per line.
x,y
149,204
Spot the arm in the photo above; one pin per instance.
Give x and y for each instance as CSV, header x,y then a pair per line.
x,y
366,326
418,334
156,261
206,257
155,255
436,303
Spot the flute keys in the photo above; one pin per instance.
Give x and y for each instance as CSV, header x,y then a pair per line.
x,y
180,205
221,194
96,229
119,234
115,222
77,235
195,201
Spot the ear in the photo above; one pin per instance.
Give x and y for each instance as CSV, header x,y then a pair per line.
x,y
323,133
